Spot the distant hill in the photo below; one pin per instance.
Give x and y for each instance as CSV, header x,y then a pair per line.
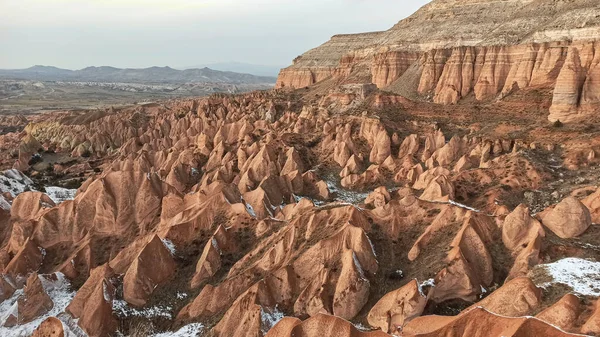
x,y
146,75
245,68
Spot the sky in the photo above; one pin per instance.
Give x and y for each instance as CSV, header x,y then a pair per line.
x,y
74,34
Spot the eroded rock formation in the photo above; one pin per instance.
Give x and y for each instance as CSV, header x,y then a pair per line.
x,y
449,50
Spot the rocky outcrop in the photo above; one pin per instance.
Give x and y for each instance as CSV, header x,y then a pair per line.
x,y
519,229
93,303
34,302
388,66
320,325
469,323
563,313
592,325
519,297
152,267
397,308
576,91
27,260
592,202
51,327
569,219
522,235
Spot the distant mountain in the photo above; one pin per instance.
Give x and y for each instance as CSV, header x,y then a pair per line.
x,y
146,75
245,68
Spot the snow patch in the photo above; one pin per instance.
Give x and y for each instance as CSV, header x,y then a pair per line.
x,y
429,283
345,195
454,203
5,205
190,330
269,318
361,327
170,246
579,274
61,294
361,272
15,182
216,245
371,244
122,309
59,194
250,210
107,296
12,311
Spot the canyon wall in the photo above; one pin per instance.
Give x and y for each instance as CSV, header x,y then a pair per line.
x,y
455,48
570,69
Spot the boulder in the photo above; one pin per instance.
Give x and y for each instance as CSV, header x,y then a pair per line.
x,y
51,327
569,219
439,189
519,228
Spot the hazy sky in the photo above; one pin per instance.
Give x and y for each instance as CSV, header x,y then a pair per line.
x,y
141,33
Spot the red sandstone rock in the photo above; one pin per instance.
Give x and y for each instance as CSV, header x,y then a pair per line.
x,y
93,302
519,228
563,313
34,302
352,288
378,198
439,189
381,148
284,327
152,267
27,260
321,325
478,322
397,308
51,327
592,202
210,260
7,289
592,325
518,297
569,219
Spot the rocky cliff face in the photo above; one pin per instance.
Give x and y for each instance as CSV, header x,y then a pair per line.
x,y
451,49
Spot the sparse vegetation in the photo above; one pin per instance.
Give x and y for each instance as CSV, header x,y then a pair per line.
x,y
557,124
